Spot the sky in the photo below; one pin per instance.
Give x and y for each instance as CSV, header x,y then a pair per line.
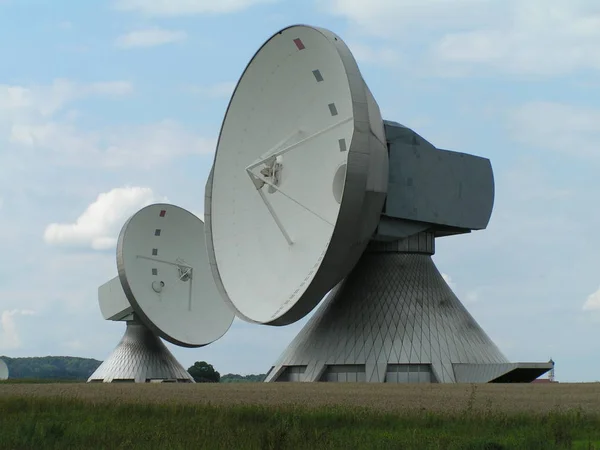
x,y
107,106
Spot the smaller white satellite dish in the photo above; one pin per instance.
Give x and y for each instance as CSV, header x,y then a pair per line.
x,y
3,370
164,271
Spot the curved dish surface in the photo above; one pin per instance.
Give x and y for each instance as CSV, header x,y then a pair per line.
x,y
163,268
299,177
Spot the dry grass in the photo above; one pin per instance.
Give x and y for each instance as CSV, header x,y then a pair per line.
x,y
300,416
508,398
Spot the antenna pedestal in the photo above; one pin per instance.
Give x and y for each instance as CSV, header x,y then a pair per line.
x,y
140,357
394,319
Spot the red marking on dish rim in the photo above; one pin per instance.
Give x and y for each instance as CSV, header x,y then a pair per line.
x,y
299,44
162,212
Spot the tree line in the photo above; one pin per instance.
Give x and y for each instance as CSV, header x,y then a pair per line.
x,y
203,372
79,369
51,367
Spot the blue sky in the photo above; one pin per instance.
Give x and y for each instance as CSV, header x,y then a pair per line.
x,y
108,105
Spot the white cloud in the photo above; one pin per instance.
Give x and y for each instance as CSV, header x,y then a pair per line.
x,y
45,100
540,37
150,37
141,146
560,127
99,225
471,297
467,297
376,56
65,25
218,90
449,281
32,115
9,335
38,118
390,18
592,303
171,8
75,344
153,144
106,88
531,185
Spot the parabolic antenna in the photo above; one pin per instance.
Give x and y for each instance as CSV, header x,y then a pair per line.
x,y
3,370
305,175
163,268
299,177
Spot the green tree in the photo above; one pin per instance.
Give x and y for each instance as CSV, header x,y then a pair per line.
x,y
202,372
236,378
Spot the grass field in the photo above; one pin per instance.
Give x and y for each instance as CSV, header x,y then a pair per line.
x,y
299,416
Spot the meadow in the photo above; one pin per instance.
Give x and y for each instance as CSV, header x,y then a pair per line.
x,y
299,416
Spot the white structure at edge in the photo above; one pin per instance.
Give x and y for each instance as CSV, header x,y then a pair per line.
x,y
311,190
164,289
3,370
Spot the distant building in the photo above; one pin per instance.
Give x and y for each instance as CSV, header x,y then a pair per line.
x,y
550,378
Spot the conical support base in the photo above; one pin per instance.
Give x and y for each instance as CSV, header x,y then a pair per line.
x,y
140,357
394,319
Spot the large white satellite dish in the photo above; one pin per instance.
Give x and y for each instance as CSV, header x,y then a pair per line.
x,y
305,175
163,268
3,370
299,177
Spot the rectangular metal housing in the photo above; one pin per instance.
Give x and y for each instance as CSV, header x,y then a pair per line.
x,y
113,302
438,187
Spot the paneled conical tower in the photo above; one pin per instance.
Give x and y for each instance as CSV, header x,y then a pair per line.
x,y
140,357
394,319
